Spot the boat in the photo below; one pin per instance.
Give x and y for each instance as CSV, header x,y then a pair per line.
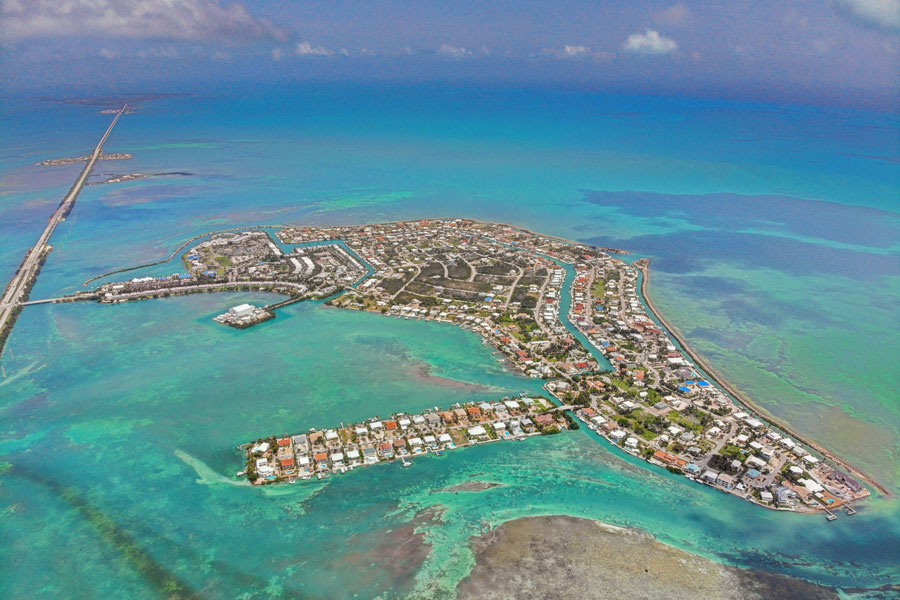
x,y
240,473
406,463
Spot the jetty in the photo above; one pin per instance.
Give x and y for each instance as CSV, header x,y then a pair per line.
x,y
399,438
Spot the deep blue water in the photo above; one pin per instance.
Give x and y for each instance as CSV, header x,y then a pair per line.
x,y
774,234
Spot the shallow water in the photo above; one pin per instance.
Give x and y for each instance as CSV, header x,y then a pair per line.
x,y
120,422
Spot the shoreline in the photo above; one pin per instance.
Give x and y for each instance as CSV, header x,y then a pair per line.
x,y
644,266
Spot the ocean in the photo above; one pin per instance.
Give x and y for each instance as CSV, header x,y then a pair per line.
x,y
774,235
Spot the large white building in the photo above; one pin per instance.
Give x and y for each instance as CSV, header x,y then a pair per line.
x,y
241,309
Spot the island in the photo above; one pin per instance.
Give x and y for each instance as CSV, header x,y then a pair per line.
x,y
570,314
59,162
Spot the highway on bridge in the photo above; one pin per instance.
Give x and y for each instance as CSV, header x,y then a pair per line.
x,y
21,283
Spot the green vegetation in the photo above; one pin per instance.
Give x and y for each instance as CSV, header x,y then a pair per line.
x,y
733,452
691,419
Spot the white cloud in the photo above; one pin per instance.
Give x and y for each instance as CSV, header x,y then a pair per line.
x,y
185,20
884,14
453,51
106,53
575,50
675,15
307,49
649,42
277,54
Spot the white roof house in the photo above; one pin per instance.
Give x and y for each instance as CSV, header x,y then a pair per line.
x,y
241,309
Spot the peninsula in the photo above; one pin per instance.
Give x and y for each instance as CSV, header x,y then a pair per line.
x,y
402,436
570,314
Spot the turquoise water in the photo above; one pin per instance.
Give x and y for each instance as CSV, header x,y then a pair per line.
x,y
774,235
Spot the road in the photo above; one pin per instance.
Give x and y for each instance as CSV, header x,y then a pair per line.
x,y
21,283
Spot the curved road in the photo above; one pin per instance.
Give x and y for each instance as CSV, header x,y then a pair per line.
x,y
644,265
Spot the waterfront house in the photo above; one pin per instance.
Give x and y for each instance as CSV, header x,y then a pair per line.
x,y
544,419
321,459
370,455
386,449
263,469
477,433
725,481
710,476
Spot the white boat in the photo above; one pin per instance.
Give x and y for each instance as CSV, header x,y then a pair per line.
x,y
406,463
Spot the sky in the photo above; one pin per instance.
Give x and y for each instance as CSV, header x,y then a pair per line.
x,y
831,52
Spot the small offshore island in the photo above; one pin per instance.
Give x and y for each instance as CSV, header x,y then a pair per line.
x,y
568,313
